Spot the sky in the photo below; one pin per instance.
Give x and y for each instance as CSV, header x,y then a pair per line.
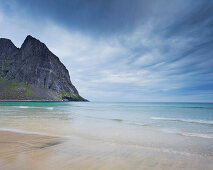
x,y
123,50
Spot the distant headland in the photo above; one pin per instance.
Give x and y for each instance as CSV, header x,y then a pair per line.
x,y
33,73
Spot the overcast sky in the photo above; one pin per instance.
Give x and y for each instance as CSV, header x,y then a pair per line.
x,y
123,50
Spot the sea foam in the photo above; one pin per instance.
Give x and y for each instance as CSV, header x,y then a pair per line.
x,y
189,134
209,122
33,107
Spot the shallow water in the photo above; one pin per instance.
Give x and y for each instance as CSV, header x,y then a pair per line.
x,y
190,119
181,129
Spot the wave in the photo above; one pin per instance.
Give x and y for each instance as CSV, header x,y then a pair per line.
x,y
23,107
208,122
33,107
120,121
193,107
27,132
189,134
129,122
201,135
117,120
196,107
177,152
49,108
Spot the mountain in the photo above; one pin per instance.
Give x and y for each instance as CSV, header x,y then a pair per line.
x,y
33,72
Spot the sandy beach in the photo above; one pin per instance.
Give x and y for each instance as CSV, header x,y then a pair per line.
x,y
20,151
105,136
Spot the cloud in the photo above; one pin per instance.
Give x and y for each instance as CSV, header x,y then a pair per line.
x,y
120,50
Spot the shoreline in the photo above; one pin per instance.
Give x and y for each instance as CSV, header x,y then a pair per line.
x,y
48,152
39,101
103,102
33,101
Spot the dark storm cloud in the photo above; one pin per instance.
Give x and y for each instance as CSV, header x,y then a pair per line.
x,y
195,24
105,17
98,16
196,21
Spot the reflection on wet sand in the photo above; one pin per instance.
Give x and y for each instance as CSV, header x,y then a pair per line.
x,y
30,151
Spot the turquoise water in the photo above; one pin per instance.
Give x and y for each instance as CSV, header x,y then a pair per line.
x,y
65,118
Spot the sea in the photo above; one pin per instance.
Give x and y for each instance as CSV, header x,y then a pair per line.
x,y
94,118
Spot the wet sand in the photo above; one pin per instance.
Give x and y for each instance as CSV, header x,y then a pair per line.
x,y
21,151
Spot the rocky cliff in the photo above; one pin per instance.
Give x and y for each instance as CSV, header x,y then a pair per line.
x,y
33,72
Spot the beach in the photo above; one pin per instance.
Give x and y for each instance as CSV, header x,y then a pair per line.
x,y
72,136
26,151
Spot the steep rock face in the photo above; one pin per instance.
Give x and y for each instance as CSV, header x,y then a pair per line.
x,y
7,51
37,67
7,48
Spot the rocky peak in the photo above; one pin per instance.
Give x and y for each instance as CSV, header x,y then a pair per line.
x,y
5,41
35,65
33,46
6,47
31,40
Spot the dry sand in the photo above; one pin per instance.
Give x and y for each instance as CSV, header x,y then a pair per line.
x,y
20,151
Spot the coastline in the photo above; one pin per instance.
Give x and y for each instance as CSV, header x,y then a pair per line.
x,y
40,101
32,101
